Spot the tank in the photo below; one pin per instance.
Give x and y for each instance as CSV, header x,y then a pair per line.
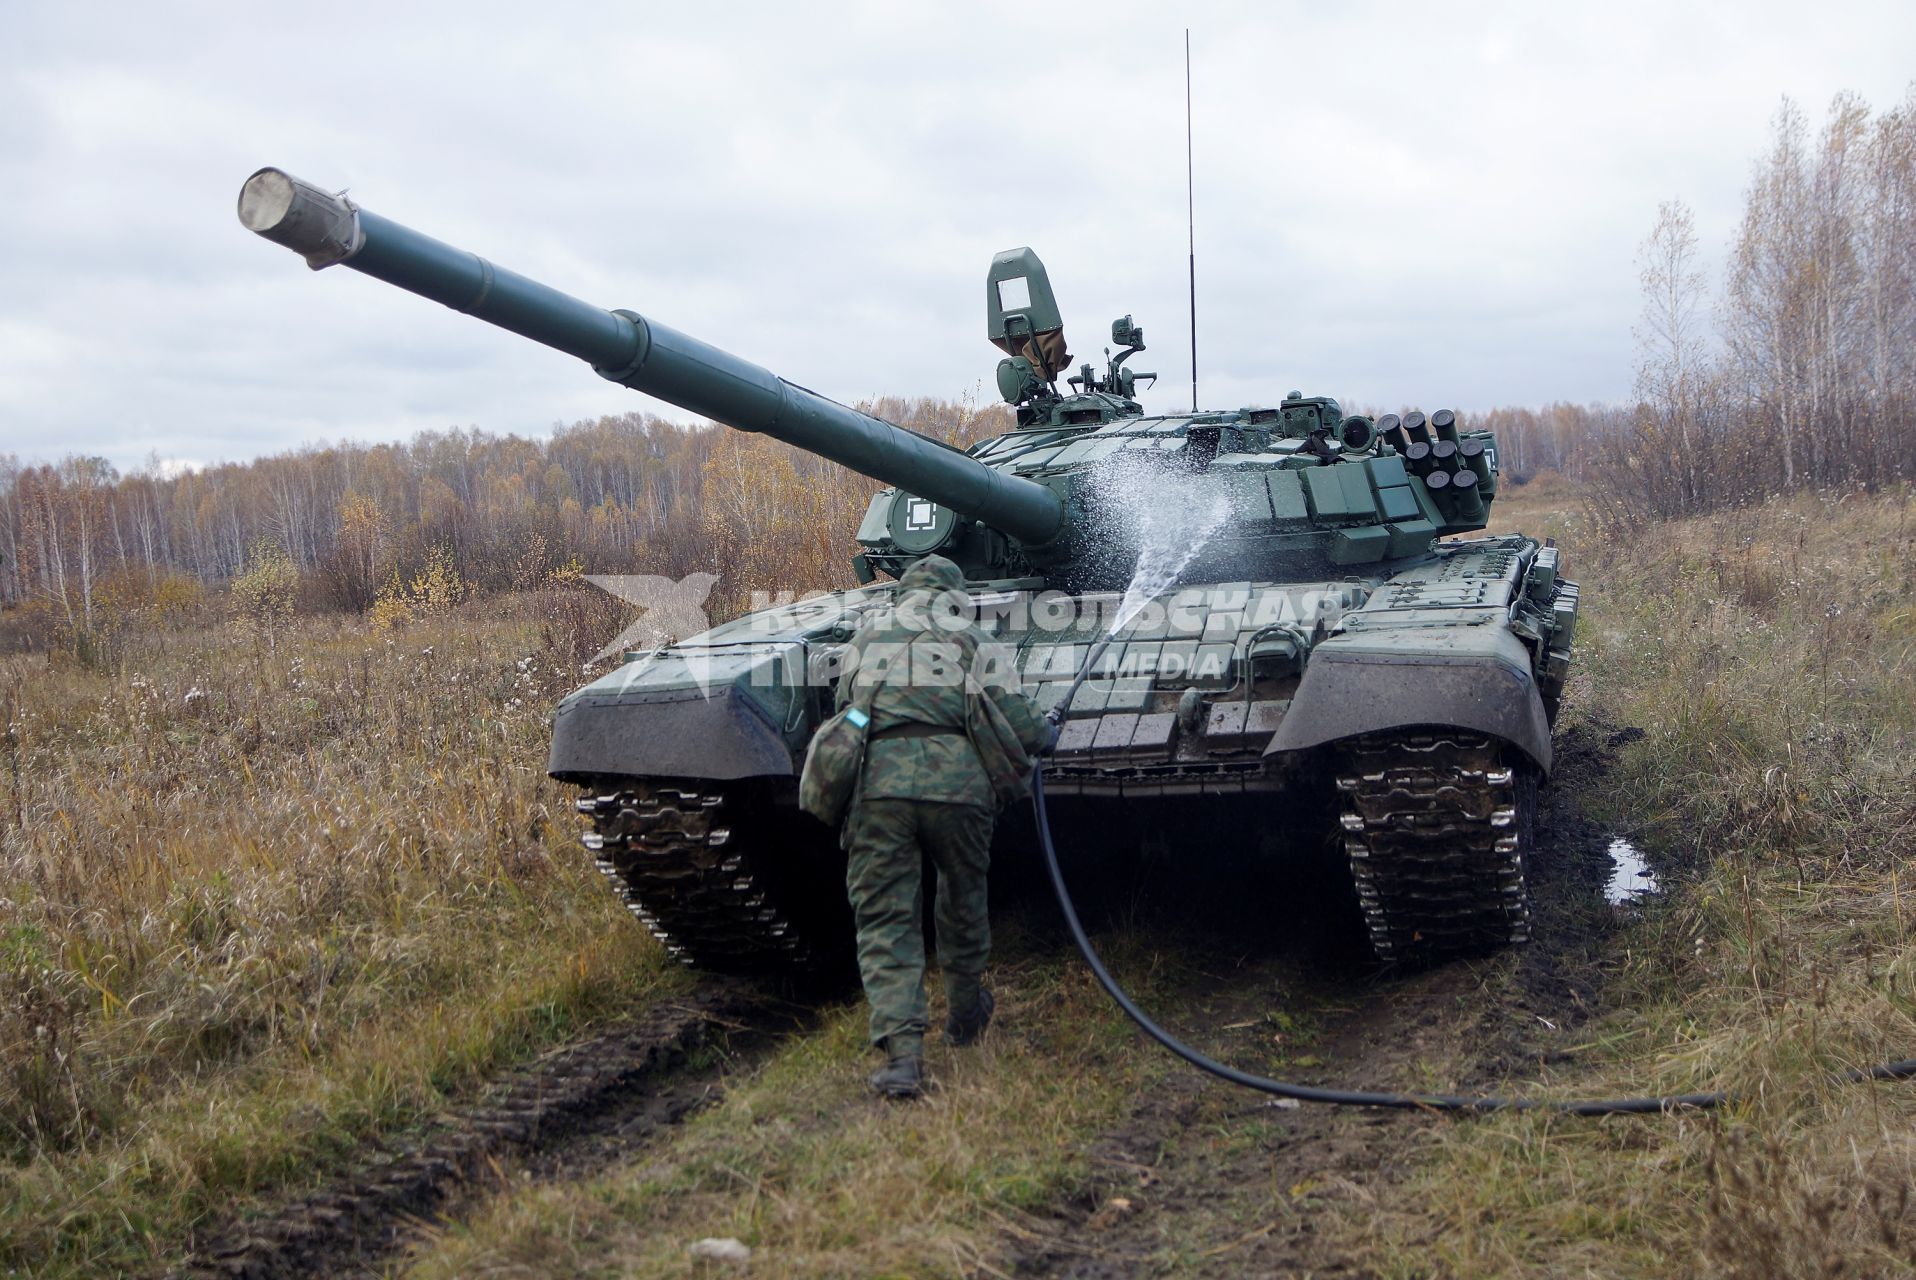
x,y
1306,648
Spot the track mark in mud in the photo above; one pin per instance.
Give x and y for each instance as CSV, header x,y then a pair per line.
x,y
1205,1179
578,1108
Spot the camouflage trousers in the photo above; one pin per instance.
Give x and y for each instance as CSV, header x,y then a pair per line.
x,y
885,841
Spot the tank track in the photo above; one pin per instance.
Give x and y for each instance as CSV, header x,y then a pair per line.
x,y
681,857
1437,826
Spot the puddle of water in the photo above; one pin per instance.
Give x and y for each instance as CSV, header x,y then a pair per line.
x,y
1630,874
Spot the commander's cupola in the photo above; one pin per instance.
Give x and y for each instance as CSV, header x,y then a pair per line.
x,y
1023,321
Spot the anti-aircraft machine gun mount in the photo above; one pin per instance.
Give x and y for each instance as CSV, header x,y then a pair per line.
x,y
1337,662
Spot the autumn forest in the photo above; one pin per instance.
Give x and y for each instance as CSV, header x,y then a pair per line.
x,y
1796,368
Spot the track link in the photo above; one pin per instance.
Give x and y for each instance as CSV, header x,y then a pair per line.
x,y
1437,826
680,856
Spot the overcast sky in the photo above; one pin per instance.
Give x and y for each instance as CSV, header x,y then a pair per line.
x,y
1408,204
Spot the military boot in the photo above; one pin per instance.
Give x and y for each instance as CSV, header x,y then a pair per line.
x,y
903,1075
964,1026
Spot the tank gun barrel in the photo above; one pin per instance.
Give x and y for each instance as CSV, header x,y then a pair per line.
x,y
627,348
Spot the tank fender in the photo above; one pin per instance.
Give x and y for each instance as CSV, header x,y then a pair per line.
x,y
677,733
1372,683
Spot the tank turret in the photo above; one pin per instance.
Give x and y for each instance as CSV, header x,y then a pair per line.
x,y
1059,499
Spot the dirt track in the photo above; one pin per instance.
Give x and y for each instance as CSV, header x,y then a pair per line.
x,y
573,1111
1196,1160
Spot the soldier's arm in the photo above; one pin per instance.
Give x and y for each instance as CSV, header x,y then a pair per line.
x,y
1021,712
993,663
848,671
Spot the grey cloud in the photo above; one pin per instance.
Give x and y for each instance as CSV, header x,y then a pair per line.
x,y
1396,204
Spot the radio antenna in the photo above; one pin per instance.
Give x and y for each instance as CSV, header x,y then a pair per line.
x,y
1190,214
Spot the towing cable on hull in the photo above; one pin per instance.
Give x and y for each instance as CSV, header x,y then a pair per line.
x,y
1902,1070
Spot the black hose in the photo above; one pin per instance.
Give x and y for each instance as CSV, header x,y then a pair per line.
x,y
1349,1097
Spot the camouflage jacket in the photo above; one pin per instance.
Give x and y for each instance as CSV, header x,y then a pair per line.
x,y
920,652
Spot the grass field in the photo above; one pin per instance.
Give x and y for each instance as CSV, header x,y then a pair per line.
x,y
1768,659
261,906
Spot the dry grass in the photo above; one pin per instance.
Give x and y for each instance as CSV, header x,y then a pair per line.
x,y
822,1179
255,907
1766,657
264,907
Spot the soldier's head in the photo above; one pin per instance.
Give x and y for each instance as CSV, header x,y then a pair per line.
x,y
931,594
933,573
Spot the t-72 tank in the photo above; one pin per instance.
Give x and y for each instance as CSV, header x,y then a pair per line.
x,y
1331,663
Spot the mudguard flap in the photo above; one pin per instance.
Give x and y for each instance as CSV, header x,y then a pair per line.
x,y
1371,683
675,734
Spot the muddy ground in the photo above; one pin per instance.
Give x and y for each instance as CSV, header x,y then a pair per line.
x,y
1207,1179
1202,1179
572,1113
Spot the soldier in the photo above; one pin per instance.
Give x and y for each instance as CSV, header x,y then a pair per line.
x,y
924,790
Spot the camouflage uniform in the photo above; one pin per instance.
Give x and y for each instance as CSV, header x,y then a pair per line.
x,y
923,791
